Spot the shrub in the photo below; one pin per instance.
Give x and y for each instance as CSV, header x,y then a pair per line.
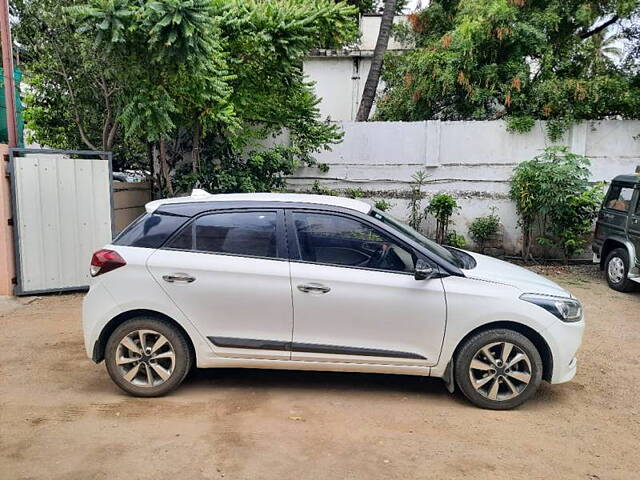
x,y
416,195
354,193
442,206
455,240
382,205
319,189
554,199
484,227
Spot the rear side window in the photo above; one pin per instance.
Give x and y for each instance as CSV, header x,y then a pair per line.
x,y
234,233
150,230
619,198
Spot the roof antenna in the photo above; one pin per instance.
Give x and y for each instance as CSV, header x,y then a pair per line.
x,y
198,192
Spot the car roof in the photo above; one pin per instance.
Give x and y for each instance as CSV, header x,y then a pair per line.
x,y
198,196
632,179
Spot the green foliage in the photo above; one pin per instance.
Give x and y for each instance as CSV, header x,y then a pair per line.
x,y
179,76
456,240
258,171
318,189
516,59
323,167
354,192
416,214
382,205
442,206
520,124
484,227
554,200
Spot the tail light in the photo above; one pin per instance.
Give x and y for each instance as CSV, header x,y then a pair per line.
x,y
104,261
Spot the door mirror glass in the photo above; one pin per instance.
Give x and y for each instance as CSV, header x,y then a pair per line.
x,y
423,270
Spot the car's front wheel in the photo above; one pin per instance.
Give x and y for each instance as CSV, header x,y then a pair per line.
x,y
617,268
147,357
498,369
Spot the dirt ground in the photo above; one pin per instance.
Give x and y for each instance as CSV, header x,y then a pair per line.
x,y
61,417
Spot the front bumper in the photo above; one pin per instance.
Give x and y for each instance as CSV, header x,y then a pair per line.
x,y
564,339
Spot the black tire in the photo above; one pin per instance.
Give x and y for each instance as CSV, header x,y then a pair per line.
x,y
473,346
624,284
181,363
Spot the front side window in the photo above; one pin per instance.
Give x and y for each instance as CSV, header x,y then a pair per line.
x,y
234,233
337,240
619,198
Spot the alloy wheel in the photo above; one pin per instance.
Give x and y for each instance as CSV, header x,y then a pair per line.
x,y
616,270
500,371
145,358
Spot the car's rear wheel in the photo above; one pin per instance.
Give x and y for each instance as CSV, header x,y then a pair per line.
x,y
616,267
147,357
498,369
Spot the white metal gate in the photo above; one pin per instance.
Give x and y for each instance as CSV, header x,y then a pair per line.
x,y
62,212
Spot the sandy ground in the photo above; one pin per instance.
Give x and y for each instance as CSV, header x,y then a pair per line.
x,y
62,418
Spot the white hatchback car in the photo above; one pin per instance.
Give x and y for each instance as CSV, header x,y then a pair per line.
x,y
310,282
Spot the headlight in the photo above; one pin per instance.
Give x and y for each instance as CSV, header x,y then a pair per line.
x,y
566,309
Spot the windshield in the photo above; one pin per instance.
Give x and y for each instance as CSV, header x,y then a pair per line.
x,y
417,237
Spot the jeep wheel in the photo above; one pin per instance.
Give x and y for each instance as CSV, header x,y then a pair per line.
x,y
616,267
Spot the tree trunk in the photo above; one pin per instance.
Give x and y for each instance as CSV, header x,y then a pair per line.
x,y
195,147
164,167
371,85
152,170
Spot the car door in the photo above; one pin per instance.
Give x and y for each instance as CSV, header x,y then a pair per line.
x,y
634,225
355,298
229,273
614,214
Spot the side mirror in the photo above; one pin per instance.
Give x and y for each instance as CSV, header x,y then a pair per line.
x,y
423,271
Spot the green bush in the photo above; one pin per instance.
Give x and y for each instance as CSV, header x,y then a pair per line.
x,y
416,215
442,206
258,171
354,192
484,227
382,205
555,201
455,240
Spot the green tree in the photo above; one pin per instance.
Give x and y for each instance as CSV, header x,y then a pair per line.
x,y
555,201
196,81
513,59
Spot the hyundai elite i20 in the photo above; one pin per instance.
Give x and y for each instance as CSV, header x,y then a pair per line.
x,y
310,282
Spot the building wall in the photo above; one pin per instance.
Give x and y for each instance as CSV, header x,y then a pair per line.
x,y
340,76
473,161
339,81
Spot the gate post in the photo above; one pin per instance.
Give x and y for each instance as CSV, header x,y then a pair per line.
x,y
7,259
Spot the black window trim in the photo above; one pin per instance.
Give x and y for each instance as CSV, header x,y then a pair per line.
x,y
294,250
282,251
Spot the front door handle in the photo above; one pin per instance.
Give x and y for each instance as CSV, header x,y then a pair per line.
x,y
314,288
178,277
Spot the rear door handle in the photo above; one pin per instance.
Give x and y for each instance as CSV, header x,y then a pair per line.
x,y
178,277
314,288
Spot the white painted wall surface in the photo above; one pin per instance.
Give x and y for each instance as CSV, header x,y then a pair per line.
x,y
64,215
473,161
340,76
369,28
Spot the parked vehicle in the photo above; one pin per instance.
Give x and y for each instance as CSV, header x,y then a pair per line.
x,y
311,282
616,243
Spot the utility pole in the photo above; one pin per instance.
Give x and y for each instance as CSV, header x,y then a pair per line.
x,y
7,71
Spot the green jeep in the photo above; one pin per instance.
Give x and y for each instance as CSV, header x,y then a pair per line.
x,y
616,243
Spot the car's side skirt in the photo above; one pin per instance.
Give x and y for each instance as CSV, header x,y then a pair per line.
x,y
229,342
